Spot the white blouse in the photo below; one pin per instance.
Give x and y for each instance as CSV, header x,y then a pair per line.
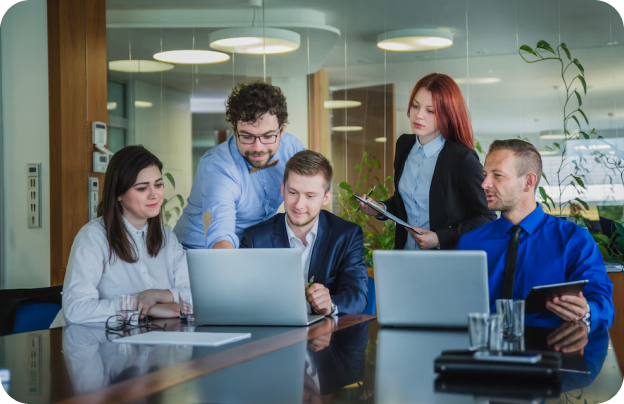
x,y
92,281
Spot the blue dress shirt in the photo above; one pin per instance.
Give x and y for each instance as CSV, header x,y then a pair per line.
x,y
551,251
234,198
416,181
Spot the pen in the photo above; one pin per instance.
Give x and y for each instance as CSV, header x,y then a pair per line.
x,y
367,195
309,283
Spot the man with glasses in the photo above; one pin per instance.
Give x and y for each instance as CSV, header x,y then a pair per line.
x,y
237,184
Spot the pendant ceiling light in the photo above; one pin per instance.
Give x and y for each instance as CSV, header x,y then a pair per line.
x,y
347,128
138,66
192,57
335,104
415,40
255,40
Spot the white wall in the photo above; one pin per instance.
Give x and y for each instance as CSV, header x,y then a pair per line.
x,y
26,136
166,132
295,88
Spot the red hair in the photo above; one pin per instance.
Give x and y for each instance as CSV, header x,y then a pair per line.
x,y
450,109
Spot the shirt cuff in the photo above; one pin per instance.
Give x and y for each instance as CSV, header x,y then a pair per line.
x,y
380,216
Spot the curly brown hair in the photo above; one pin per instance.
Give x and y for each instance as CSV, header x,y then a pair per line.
x,y
250,100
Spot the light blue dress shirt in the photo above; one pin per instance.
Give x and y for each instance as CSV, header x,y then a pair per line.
x,y
235,198
416,181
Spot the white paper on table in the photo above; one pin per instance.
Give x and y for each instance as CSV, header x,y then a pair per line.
x,y
183,338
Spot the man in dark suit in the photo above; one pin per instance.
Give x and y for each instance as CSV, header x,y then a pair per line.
x,y
332,248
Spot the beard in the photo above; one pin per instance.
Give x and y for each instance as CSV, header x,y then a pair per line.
x,y
258,164
503,203
295,224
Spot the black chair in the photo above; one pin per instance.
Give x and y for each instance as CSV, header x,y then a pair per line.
x,y
23,310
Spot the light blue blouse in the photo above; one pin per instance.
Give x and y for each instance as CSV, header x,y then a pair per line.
x,y
415,184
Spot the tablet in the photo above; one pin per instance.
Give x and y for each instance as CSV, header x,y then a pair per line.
x,y
387,214
535,301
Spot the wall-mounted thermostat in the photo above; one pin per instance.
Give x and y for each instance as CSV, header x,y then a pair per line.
x,y
94,196
98,131
33,177
100,162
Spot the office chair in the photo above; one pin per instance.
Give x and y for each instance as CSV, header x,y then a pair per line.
x,y
370,307
24,310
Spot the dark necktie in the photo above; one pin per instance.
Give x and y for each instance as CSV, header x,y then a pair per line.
x,y
510,263
271,164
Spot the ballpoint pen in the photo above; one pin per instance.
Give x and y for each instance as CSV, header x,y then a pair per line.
x,y
309,283
367,195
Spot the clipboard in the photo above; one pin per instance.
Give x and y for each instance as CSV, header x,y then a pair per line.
x,y
387,214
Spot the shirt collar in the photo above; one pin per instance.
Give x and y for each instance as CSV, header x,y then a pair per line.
x,y
528,224
310,237
132,230
432,147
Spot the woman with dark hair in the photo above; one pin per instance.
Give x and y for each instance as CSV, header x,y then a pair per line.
x,y
126,249
437,173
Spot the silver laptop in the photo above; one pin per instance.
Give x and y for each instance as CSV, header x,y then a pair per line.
x,y
248,287
430,288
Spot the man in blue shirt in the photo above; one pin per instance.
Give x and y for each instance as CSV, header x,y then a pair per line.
x,y
237,184
546,249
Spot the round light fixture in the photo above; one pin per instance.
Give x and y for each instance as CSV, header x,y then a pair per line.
x,y
138,66
347,128
192,57
255,40
111,106
143,104
381,139
477,80
335,104
415,40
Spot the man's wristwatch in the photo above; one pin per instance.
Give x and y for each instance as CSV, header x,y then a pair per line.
x,y
586,316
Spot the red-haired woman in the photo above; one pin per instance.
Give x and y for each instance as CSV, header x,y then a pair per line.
x,y
437,173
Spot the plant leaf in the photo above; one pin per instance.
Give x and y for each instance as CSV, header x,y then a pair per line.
x,y
579,181
585,135
580,67
604,252
584,116
544,196
376,162
390,178
177,211
582,202
346,186
546,46
527,48
544,177
167,216
576,120
357,167
565,49
601,238
619,227
357,185
578,97
584,83
181,200
170,178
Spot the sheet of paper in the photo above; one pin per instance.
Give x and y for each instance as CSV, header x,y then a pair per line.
x,y
183,338
386,214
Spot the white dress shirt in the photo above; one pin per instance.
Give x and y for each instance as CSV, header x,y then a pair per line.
x,y
92,281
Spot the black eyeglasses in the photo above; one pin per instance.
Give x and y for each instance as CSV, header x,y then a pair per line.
x,y
120,323
264,139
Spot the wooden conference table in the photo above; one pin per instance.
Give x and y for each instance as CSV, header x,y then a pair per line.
x,y
349,359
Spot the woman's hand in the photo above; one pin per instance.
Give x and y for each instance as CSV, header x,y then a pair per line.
x,y
164,310
149,298
427,241
367,209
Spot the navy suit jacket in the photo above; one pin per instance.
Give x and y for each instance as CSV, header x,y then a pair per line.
x,y
337,260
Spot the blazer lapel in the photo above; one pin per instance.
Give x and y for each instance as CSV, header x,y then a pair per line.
x,y
403,159
437,204
279,238
321,247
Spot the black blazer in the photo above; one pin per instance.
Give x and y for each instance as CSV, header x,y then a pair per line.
x,y
456,200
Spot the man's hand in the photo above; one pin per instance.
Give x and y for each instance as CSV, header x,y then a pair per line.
x,y
571,336
319,299
164,310
427,241
569,308
319,343
367,209
149,298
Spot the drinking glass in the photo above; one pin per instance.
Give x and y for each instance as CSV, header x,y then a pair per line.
x,y
127,306
512,311
185,300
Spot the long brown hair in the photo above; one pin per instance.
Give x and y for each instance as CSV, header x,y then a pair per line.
x,y
121,174
450,109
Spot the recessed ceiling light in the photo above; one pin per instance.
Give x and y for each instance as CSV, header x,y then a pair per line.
x,y
341,104
381,139
143,104
110,106
415,39
255,40
477,80
347,128
138,66
611,43
192,57
557,135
